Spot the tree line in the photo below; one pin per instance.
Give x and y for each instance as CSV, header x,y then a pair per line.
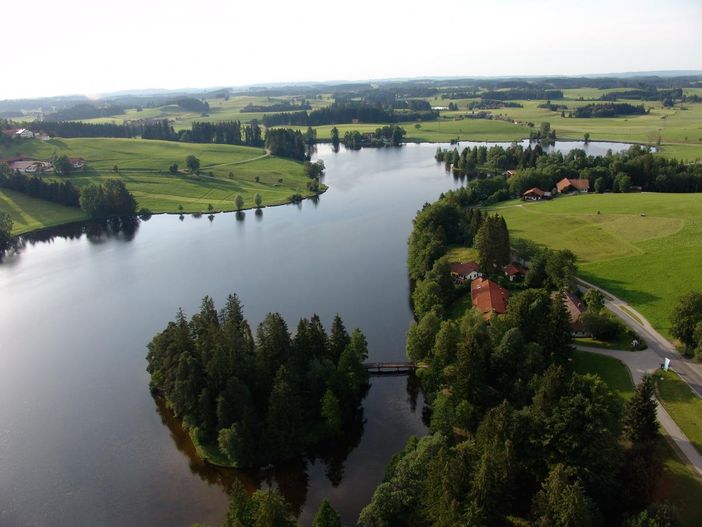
x,y
345,112
535,167
71,129
635,167
223,132
612,109
108,199
62,192
517,437
263,398
530,92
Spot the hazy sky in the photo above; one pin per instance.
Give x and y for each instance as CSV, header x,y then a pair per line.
x,y
53,47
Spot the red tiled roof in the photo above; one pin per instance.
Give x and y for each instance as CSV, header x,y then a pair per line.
x,y
514,269
577,184
535,191
488,297
10,132
575,308
464,268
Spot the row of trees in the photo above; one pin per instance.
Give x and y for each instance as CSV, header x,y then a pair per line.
x,y
612,109
345,112
62,192
263,398
223,132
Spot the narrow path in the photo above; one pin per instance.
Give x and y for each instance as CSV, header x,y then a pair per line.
x,y
689,371
639,363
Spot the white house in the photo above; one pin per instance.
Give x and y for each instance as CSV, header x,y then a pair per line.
x,y
24,133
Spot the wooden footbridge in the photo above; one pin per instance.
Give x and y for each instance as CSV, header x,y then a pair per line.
x,y
390,368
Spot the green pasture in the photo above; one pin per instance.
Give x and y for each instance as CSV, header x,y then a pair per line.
x,y
611,371
30,214
682,404
143,166
644,248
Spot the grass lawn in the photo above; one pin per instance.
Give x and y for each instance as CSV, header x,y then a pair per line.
x,y
30,214
462,254
682,404
679,483
623,342
612,371
649,261
143,165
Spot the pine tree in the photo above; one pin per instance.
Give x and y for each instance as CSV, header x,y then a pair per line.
x,y
640,417
326,516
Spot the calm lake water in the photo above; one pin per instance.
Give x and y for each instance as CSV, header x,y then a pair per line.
x,y
82,442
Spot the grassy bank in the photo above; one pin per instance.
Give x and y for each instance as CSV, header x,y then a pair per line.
x,y
682,404
226,171
30,214
679,483
648,260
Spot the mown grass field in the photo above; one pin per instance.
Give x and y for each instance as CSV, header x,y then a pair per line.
x,y
679,483
29,214
143,166
682,404
612,371
649,261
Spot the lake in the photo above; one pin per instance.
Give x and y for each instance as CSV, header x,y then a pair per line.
x,y
82,442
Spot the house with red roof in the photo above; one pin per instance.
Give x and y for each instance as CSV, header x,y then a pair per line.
x,y
576,309
488,297
76,162
573,185
464,272
514,271
535,194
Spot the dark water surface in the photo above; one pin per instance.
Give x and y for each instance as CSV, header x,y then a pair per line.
x,y
82,442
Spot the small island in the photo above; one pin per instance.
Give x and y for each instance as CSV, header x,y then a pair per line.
x,y
248,400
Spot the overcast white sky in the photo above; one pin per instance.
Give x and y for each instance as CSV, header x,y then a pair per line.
x,y
54,47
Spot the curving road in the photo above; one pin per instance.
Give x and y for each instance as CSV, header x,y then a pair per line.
x,y
650,360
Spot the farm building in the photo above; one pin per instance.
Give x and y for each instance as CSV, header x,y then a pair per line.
x,y
535,194
514,272
18,132
575,308
488,297
570,185
76,162
463,272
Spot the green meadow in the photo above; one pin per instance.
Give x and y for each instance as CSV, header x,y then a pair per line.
x,y
683,405
143,166
29,214
644,248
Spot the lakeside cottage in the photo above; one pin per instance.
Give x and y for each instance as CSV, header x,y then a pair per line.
x,y
488,297
463,272
573,185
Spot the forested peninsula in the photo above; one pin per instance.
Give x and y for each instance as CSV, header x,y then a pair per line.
x,y
250,400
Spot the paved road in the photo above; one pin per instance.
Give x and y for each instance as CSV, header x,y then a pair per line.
x,y
689,371
640,363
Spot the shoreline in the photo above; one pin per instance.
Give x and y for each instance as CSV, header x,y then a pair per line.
x,y
160,213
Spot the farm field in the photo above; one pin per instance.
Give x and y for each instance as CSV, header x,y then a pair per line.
x,y
29,214
648,260
143,166
679,483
